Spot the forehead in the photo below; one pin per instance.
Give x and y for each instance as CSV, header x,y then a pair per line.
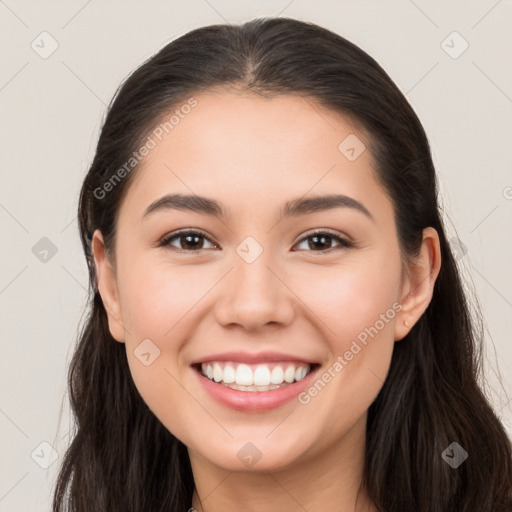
x,y
240,147
251,126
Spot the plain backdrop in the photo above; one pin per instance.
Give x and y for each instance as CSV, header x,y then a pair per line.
x,y
61,62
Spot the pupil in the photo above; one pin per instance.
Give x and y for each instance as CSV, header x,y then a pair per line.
x,y
189,237
316,238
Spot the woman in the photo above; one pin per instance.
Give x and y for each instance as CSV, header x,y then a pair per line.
x,y
277,321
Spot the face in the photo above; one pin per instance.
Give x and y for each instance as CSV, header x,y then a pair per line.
x,y
307,301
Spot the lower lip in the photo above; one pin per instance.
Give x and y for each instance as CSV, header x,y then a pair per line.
x,y
255,401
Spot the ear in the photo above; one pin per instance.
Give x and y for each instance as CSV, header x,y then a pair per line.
x,y
107,287
418,286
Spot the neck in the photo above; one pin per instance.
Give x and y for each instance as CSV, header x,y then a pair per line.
x,y
328,481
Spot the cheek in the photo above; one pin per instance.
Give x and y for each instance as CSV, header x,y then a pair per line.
x,y
357,306
156,297
155,302
351,297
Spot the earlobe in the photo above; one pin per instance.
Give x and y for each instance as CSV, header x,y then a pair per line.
x,y
418,287
107,287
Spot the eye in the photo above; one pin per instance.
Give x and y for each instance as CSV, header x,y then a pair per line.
x,y
191,239
319,239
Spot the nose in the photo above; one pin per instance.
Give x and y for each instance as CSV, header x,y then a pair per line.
x,y
255,294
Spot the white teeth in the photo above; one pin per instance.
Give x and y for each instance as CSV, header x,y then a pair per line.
x,y
255,378
277,376
229,374
217,372
254,388
289,374
243,375
261,376
300,373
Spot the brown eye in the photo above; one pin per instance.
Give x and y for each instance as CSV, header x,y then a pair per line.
x,y
189,241
322,241
194,241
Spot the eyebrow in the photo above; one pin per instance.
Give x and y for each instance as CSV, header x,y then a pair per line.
x,y
294,208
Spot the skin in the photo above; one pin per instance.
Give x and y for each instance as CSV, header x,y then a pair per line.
x,y
253,154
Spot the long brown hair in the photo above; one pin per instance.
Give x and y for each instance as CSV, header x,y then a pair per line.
x,y
121,458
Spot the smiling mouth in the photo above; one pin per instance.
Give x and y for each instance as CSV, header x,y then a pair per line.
x,y
254,377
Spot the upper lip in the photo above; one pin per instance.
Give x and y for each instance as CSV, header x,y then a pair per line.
x,y
252,358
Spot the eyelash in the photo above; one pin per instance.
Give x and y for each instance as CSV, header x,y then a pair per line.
x,y
344,243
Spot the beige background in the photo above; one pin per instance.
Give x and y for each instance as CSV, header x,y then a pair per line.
x,y
51,110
